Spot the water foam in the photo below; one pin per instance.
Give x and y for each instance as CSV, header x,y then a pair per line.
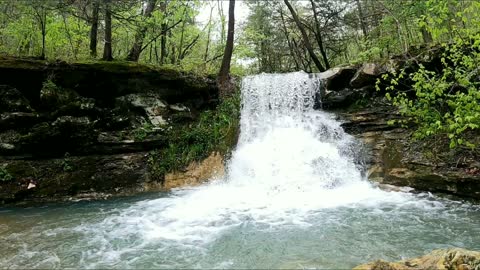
x,y
290,160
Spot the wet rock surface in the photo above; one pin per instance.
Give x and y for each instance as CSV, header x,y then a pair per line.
x,y
76,129
442,259
394,158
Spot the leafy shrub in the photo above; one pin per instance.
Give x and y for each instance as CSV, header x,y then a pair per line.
x,y
5,176
445,103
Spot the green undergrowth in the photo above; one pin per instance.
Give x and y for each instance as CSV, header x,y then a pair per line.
x,y
214,131
5,176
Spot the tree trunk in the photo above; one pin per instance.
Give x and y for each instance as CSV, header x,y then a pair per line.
x,y
44,35
308,45
136,49
285,30
222,22
224,83
94,29
182,38
163,37
205,56
361,18
107,49
427,36
318,35
41,14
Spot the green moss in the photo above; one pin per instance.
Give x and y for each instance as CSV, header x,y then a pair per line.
x,y
216,130
125,66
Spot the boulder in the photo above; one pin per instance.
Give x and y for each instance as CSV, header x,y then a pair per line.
x,y
346,97
337,79
151,105
366,75
441,259
79,106
12,100
19,120
197,172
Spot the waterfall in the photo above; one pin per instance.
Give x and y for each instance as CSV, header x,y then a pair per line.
x,y
284,143
293,197
290,160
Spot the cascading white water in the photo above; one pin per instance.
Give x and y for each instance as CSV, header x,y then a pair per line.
x,y
293,197
290,160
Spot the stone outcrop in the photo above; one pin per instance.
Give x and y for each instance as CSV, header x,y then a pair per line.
x,y
104,80
76,129
12,100
394,158
197,172
449,259
346,86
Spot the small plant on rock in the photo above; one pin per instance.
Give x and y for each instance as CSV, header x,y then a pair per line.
x,y
67,165
5,176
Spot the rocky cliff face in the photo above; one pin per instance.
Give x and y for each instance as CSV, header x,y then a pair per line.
x,y
70,129
394,157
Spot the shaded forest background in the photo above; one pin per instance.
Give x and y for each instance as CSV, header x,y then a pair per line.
x,y
277,36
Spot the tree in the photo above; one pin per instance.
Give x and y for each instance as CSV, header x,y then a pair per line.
x,y
94,28
318,35
107,49
361,18
308,45
136,49
41,10
224,82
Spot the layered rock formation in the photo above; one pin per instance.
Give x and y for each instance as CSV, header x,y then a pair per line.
x,y
70,129
394,157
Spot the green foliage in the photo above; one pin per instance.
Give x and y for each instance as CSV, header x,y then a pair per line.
x,y
141,133
371,54
5,176
67,165
216,130
67,26
445,103
49,86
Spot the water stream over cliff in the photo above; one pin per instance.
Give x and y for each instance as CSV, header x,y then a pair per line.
x,y
294,197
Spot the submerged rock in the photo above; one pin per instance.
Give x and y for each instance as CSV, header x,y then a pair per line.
x,y
442,259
